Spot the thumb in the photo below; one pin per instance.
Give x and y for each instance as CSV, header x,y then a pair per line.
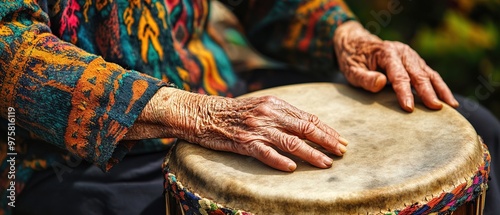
x,y
372,81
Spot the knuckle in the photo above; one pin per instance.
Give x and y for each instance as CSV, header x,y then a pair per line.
x,y
390,46
405,47
433,75
307,128
400,77
397,49
314,119
268,105
270,99
291,144
387,43
349,73
421,80
253,122
263,109
275,101
265,152
402,87
241,137
237,149
352,80
250,148
400,45
313,154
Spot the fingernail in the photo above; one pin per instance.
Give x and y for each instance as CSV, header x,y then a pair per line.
x,y
438,103
342,149
409,104
328,161
343,141
292,167
379,83
455,103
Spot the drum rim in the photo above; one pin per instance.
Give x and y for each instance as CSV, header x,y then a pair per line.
x,y
448,200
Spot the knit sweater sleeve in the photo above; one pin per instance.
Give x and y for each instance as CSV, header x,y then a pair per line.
x,y
299,32
62,94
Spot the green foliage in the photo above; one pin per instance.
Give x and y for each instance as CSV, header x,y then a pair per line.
x,y
460,39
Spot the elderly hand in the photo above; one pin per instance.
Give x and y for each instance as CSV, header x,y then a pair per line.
x,y
360,53
248,126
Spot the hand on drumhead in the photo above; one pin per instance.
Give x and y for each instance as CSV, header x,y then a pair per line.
x,y
248,126
360,53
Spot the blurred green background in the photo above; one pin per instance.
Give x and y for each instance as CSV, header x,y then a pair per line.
x,y
458,38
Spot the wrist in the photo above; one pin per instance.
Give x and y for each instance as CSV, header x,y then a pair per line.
x,y
153,112
180,114
351,31
165,115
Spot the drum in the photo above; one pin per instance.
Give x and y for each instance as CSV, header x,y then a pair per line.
x,y
397,163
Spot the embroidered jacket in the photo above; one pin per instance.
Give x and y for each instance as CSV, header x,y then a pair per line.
x,y
77,73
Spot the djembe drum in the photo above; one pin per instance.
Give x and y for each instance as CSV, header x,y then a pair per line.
x,y
397,163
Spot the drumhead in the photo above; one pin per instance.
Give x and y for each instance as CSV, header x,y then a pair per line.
x,y
394,159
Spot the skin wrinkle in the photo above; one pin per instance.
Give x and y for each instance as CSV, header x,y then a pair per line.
x,y
248,126
308,129
360,53
288,143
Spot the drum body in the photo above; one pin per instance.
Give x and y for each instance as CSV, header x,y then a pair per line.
x,y
397,162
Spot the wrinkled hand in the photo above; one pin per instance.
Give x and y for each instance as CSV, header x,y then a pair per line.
x,y
360,53
248,126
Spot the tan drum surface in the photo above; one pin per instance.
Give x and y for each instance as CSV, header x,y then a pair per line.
x,y
394,158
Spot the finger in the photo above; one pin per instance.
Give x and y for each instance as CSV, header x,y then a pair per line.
x,y
295,146
315,131
442,90
425,90
306,125
310,130
372,81
398,76
419,77
330,132
272,158
309,126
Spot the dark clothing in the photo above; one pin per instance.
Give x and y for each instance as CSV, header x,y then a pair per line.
x,y
134,187
488,127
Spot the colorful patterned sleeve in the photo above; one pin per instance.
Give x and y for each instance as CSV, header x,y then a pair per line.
x,y
62,94
299,32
